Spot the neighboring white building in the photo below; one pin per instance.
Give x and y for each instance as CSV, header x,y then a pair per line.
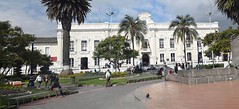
x,y
47,46
161,45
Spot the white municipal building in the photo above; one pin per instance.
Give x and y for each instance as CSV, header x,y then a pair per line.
x,y
161,45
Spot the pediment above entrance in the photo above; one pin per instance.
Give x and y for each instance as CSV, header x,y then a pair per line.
x,y
146,17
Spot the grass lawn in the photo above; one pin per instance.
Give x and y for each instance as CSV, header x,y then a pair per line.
x,y
95,79
102,82
64,80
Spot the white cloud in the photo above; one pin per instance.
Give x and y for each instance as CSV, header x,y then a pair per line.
x,y
197,9
30,14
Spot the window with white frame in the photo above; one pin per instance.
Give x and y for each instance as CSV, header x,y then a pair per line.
x,y
171,42
188,43
189,56
47,51
146,43
128,61
83,45
161,57
128,42
96,42
172,57
161,43
71,46
199,43
71,62
97,61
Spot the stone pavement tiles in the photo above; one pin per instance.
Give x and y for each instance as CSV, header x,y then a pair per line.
x,y
173,95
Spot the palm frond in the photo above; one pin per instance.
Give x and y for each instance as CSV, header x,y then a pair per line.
x,y
71,9
136,28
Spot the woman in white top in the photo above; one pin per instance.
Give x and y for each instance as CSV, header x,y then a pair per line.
x,y
39,79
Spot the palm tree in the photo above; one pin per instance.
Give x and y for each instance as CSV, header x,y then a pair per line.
x,y
184,29
66,11
230,8
133,28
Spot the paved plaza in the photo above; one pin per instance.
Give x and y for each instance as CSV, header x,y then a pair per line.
x,y
173,95
163,95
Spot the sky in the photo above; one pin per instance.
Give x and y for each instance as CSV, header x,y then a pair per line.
x,y
31,17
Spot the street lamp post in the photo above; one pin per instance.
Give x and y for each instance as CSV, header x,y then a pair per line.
x,y
230,51
198,53
31,81
111,13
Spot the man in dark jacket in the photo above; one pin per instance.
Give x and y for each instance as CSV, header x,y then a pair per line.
x,y
56,84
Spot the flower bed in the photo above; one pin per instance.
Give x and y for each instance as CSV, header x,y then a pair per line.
x,y
7,89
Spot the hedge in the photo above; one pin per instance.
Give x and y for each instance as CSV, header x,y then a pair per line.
x,y
133,80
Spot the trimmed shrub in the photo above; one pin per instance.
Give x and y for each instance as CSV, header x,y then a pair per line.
x,y
119,74
142,79
210,66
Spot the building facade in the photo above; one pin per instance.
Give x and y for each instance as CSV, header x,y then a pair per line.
x,y
161,47
47,46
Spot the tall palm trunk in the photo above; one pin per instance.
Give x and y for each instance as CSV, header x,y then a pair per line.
x,y
133,49
185,51
66,27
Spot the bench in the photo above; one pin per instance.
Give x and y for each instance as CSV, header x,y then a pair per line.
x,y
16,83
29,96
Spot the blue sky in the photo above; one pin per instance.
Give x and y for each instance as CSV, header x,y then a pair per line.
x,y
30,14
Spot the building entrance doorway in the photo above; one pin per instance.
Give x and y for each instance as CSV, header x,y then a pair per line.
x,y
145,59
84,63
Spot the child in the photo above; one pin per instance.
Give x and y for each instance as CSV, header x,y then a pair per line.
x,y
46,79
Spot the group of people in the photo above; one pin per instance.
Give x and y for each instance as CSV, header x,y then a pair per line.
x,y
54,82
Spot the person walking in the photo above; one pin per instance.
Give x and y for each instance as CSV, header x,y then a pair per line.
x,y
176,68
39,79
107,76
52,78
165,71
132,70
56,84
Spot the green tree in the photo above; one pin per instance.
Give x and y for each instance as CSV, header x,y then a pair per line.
x,y
219,42
184,29
66,11
35,58
230,8
134,29
115,50
19,41
13,45
5,28
14,52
